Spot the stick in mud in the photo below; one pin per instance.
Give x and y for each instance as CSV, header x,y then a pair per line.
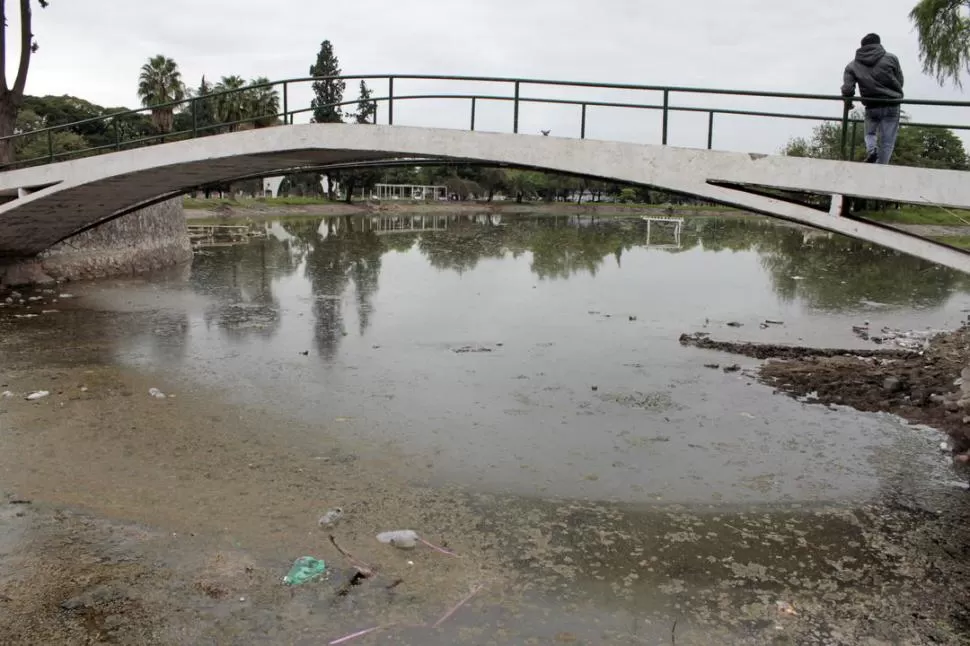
x,y
365,570
359,633
448,614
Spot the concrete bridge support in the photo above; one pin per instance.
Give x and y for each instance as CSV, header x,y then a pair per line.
x,y
145,240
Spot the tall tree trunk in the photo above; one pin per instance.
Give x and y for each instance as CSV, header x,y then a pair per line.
x,y
349,197
8,120
11,98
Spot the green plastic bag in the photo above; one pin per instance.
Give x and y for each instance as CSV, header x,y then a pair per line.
x,y
304,569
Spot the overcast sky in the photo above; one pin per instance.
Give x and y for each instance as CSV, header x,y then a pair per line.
x,y
94,49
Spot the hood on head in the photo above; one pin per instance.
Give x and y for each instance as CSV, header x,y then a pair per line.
x,y
869,55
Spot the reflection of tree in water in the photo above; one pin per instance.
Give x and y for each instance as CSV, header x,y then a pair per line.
x,y
837,272
560,246
830,271
346,254
240,278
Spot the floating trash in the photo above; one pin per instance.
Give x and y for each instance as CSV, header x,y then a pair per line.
x,y
305,568
40,394
402,538
156,393
407,539
331,518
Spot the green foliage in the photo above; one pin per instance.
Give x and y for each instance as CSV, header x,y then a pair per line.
x,y
160,82
920,146
366,108
943,28
263,103
327,92
42,145
233,106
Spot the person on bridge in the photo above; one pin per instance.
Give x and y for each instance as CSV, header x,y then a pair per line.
x,y
880,81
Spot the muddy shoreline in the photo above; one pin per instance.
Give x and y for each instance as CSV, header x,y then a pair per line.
x,y
929,385
257,210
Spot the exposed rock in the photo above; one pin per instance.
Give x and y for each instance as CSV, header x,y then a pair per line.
x,y
892,384
27,272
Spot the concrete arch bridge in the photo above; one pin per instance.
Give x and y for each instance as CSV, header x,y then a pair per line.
x,y
49,202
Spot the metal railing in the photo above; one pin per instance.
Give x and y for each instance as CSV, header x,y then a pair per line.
x,y
117,122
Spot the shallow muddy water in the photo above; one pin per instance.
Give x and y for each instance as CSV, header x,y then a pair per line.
x,y
512,387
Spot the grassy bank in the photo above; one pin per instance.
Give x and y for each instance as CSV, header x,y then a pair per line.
x,y
919,215
956,241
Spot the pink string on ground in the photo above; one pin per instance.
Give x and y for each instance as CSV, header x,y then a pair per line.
x,y
355,635
438,549
455,609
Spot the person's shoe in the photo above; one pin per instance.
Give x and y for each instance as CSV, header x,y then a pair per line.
x,y
872,157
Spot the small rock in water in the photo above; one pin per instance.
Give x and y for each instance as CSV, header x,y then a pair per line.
x,y
712,366
633,318
595,388
732,368
734,324
40,394
156,393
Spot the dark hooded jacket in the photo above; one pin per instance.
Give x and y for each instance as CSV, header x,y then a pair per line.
x,y
878,74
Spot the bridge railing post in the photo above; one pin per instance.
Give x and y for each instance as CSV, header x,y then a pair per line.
x,y
390,100
663,134
286,104
117,130
710,129
515,108
582,124
473,114
50,145
195,118
845,127
852,148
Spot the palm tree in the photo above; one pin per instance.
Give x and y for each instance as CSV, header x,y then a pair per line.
x,y
160,82
234,106
263,103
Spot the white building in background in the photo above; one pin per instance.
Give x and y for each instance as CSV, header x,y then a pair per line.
x,y
271,186
409,192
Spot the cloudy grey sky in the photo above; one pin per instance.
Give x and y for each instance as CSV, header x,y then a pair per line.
x,y
94,49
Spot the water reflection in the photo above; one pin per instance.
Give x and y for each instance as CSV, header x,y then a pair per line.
x,y
826,271
822,271
362,319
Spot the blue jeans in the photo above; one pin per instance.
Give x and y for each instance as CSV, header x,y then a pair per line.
x,y
882,126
